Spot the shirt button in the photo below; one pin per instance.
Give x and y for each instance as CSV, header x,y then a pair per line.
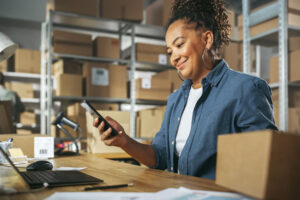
x,y
178,118
172,142
172,168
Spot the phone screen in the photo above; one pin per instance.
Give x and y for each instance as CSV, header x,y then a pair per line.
x,y
90,109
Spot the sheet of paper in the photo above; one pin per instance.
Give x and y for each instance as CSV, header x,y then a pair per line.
x,y
69,168
99,195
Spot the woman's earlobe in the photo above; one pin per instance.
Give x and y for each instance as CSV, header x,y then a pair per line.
x,y
209,40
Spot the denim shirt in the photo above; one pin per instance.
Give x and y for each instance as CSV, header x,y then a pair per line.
x,y
231,102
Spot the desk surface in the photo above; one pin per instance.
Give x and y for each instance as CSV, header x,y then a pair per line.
x,y
112,172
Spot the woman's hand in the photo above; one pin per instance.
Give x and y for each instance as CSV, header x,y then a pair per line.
x,y
119,140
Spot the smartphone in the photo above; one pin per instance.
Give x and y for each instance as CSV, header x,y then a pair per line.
x,y
90,109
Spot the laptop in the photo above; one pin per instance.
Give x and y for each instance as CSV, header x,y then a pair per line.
x,y
36,179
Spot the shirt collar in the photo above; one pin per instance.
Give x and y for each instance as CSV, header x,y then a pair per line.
x,y
213,77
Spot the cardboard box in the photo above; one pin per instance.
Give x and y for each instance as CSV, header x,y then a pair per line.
x,y
129,10
293,19
105,47
293,68
28,118
158,13
81,121
24,90
173,78
4,66
233,55
95,145
23,141
66,67
262,164
294,121
152,89
69,85
144,128
104,80
72,43
82,7
6,119
293,43
293,97
26,60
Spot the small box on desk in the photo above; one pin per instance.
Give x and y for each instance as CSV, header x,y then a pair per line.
x,y
263,164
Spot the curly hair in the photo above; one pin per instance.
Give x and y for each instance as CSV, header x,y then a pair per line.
x,y
207,14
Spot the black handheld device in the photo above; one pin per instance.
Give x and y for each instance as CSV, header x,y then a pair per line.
x,y
90,109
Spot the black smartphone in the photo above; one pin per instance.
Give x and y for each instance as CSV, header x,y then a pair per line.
x,y
90,109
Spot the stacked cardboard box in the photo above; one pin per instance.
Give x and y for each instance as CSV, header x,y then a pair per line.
x,y
129,10
28,118
26,60
67,67
107,47
293,68
82,7
263,164
151,53
293,19
172,77
152,88
3,66
76,113
24,90
95,145
104,80
144,129
233,55
72,43
158,13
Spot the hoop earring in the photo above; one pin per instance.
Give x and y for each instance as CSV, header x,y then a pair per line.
x,y
203,59
179,75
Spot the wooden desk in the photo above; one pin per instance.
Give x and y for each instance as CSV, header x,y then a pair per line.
x,y
112,172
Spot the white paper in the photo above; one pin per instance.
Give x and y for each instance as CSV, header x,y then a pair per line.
x,y
162,59
100,76
69,168
43,147
99,195
146,83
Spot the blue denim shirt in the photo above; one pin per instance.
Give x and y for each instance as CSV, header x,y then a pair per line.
x,y
231,102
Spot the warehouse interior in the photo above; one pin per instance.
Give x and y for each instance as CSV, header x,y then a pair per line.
x,y
112,53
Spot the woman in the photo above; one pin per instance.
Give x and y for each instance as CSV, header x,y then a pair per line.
x,y
212,100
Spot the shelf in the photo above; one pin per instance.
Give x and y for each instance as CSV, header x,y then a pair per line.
x,y
32,103
276,85
270,38
107,100
22,77
94,24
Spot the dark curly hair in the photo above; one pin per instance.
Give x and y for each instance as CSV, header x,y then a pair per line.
x,y
208,14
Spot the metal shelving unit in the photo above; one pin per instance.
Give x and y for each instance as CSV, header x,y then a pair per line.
x,y
275,37
96,25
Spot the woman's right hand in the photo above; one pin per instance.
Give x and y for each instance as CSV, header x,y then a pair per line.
x,y
119,140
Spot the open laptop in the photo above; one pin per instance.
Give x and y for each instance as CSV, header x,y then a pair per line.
x,y
36,179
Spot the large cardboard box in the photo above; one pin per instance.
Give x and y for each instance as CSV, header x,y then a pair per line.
x,y
23,141
82,7
105,80
24,90
69,85
293,97
262,164
106,47
149,122
67,67
293,68
173,78
152,89
4,66
28,118
95,145
72,43
158,13
129,10
151,53
294,121
233,55
26,60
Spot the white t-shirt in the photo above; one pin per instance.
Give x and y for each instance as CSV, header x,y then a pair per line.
x,y
186,119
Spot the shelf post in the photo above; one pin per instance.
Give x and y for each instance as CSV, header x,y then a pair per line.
x,y
132,83
283,66
246,37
